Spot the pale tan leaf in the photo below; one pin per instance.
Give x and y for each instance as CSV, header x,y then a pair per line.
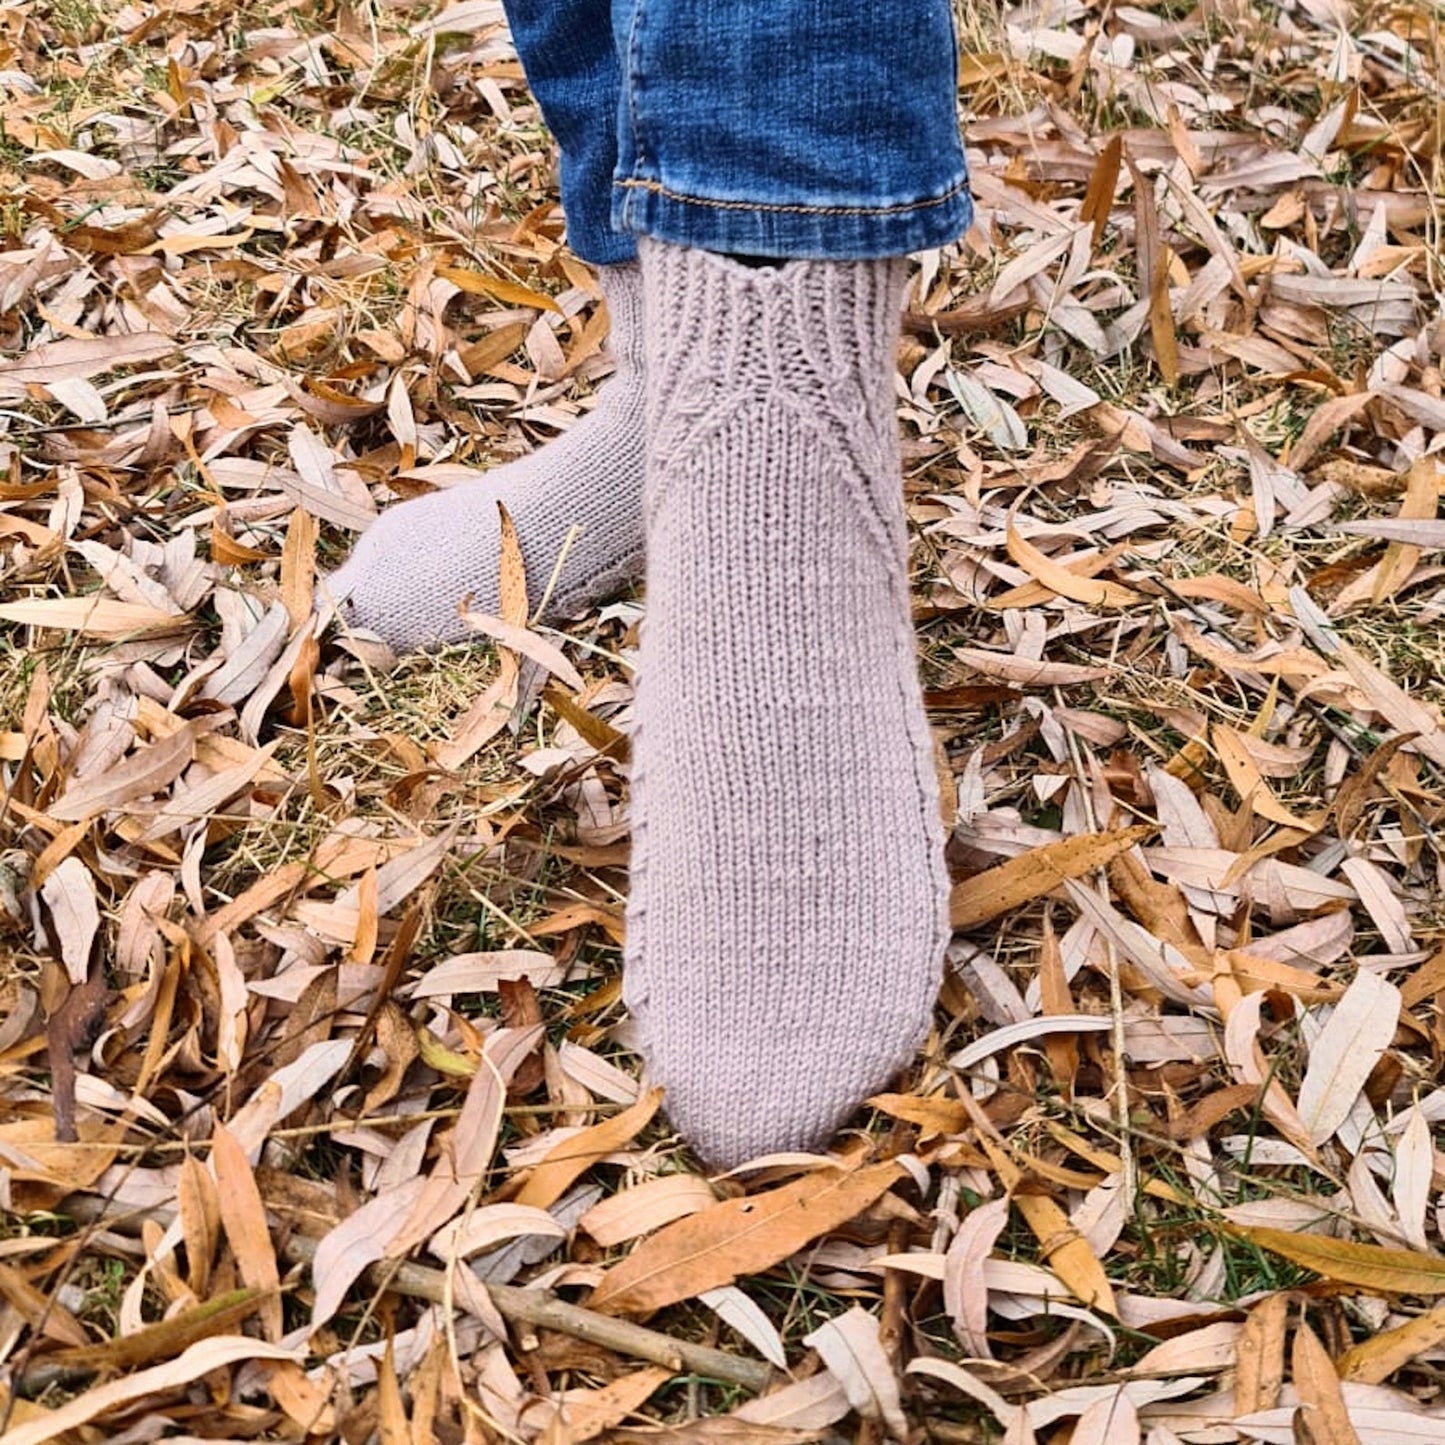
x,y
811,1404
645,1207
482,972
1357,1034
359,1240
742,1314
1206,1350
1026,671
520,639
850,1346
1006,1037
69,893
965,1297
200,1359
1397,707
1414,1171
489,1225
1007,1415
1108,1422
1382,903
93,616
469,1148
61,360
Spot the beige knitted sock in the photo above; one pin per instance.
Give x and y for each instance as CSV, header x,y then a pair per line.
x,y
788,906
417,561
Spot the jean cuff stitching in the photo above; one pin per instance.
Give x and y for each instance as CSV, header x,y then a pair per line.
x,y
902,208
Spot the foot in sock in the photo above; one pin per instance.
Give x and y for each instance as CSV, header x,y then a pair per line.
x,y
788,901
411,569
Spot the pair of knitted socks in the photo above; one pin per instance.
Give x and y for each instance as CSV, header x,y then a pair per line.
x,y
787,908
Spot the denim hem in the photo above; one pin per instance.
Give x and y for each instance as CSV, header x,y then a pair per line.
x,y
600,248
791,231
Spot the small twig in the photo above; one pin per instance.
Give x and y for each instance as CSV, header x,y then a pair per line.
x,y
514,1303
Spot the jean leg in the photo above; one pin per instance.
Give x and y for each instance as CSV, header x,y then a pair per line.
x,y
790,128
567,52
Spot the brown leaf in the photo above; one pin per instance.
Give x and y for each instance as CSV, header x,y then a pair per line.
x,y
1067,583
200,1215
166,1338
500,289
520,1010
1035,873
512,572
1259,1356
298,566
570,1159
1321,1418
70,1028
392,1425
738,1236
198,1360
1161,319
243,1217
1103,184
144,773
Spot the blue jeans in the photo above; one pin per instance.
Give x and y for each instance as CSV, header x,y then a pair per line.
x,y
778,128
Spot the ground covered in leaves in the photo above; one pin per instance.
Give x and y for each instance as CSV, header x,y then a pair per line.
x,y
319,1117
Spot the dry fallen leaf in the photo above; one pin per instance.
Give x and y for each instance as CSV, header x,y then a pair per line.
x,y
1032,874
737,1236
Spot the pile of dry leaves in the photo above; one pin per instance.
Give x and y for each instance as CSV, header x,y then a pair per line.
x,y
319,1118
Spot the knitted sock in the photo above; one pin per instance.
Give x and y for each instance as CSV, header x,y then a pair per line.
x,y
418,560
788,905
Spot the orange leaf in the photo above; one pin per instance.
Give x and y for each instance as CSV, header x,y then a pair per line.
x,y
298,565
550,1180
512,292
1377,1357
1321,1418
1058,578
1032,874
738,1236
243,1215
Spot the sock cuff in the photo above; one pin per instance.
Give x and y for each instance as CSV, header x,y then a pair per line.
x,y
829,327
621,287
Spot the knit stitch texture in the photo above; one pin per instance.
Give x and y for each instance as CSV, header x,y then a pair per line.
x,y
788,899
411,569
